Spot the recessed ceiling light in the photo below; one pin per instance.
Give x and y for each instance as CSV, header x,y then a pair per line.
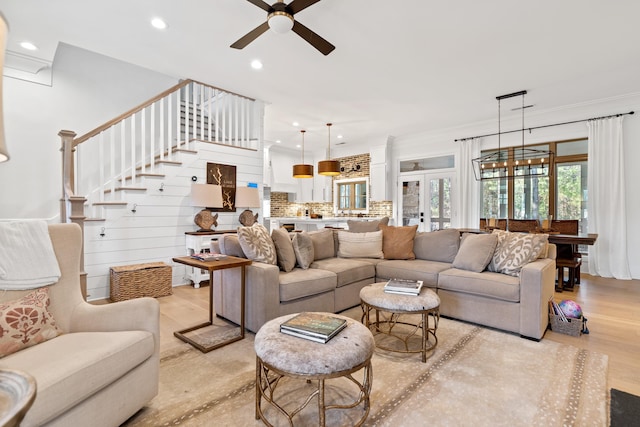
x,y
158,23
295,124
256,64
339,136
298,146
28,46
278,141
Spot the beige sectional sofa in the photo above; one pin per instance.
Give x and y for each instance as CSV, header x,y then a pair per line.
x,y
332,282
104,365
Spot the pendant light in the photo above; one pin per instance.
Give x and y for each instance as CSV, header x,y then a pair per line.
x,y
329,167
303,170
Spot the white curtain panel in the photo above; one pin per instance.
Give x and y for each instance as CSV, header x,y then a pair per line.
x,y
606,201
469,188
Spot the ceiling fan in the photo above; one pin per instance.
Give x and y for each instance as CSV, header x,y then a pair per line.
x,y
280,20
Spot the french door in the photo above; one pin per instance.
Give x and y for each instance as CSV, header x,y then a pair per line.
x,y
425,200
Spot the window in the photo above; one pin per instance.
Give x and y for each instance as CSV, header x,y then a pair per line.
x,y
562,194
351,195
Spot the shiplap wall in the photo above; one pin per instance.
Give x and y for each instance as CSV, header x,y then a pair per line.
x,y
155,232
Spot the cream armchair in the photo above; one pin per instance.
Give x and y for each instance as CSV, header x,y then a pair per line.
x,y
104,366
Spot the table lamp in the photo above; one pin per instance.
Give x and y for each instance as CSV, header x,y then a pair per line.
x,y
206,196
247,197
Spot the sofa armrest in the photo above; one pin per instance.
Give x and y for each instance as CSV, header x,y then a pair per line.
x,y
140,314
262,294
536,288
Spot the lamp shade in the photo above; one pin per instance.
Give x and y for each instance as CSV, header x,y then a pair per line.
x,y
329,167
4,153
247,197
303,171
206,195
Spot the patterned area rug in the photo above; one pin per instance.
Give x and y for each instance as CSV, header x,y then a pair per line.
x,y
475,376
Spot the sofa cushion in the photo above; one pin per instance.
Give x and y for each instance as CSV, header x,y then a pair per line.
x,y
441,245
323,244
284,249
416,269
99,359
299,283
488,284
397,242
26,321
514,250
360,245
348,270
366,226
230,245
256,242
303,248
476,250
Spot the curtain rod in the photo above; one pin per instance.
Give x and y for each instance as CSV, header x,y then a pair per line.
x,y
545,126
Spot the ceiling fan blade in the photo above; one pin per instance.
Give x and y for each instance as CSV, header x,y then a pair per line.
x,y
262,5
315,40
297,5
250,36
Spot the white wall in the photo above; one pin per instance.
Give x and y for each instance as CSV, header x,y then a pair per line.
x,y
440,143
88,89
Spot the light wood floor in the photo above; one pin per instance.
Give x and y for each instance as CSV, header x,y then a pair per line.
x,y
612,308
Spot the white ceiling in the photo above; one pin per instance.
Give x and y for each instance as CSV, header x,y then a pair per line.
x,y
399,66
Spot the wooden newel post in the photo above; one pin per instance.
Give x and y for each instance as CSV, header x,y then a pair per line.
x,y
72,206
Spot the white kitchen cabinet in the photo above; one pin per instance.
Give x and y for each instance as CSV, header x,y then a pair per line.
x,y
378,173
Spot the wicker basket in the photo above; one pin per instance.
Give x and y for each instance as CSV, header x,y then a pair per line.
x,y
573,327
140,280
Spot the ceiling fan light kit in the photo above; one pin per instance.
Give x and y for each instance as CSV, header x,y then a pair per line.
x,y
302,170
280,18
280,22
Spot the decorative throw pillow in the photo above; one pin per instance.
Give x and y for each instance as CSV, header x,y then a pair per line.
x,y
475,251
323,244
257,244
230,245
303,248
397,242
26,322
502,236
284,249
360,245
516,250
441,245
366,226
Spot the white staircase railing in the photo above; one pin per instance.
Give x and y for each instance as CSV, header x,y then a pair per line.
x,y
113,158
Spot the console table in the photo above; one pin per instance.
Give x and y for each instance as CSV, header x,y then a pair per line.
x,y
211,342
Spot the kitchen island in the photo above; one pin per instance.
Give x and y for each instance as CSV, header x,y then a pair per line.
x,y
311,224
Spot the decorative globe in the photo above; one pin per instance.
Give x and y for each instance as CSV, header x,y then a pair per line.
x,y
570,308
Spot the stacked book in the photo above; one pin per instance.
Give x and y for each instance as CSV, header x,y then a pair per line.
x,y
207,256
403,287
319,327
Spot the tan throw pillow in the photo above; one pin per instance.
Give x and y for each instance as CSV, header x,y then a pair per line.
x,y
257,244
475,251
517,250
366,226
303,248
323,244
26,322
360,245
230,245
284,249
397,242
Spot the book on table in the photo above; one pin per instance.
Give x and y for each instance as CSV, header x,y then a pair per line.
x,y
403,287
208,256
319,327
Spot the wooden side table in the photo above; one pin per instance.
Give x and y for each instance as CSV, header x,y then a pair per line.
x,y
211,266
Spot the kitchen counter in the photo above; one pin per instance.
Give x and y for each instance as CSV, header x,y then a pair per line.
x,y
309,224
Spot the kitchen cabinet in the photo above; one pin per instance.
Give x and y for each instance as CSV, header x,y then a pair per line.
x,y
379,173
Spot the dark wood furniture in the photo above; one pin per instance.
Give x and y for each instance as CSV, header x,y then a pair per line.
x,y
568,255
211,266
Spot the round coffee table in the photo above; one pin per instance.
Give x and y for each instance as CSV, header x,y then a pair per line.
x,y
280,355
389,307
